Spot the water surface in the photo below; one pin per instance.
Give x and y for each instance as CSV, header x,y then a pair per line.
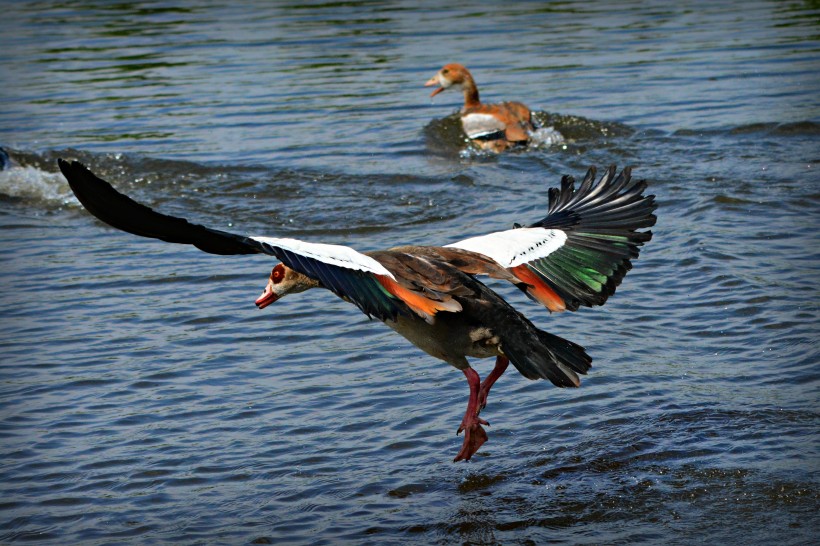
x,y
145,399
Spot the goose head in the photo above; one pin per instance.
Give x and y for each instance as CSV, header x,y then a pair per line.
x,y
283,281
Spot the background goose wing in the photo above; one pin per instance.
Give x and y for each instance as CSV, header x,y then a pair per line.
x,y
480,125
579,253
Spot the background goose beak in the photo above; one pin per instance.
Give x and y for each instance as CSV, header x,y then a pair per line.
x,y
434,81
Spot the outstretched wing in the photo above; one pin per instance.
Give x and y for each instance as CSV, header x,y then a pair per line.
x,y
579,253
122,212
351,275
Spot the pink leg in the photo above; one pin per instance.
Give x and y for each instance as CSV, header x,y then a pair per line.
x,y
501,364
474,434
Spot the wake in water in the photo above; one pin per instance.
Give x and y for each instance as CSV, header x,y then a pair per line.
x,y
540,138
31,183
445,136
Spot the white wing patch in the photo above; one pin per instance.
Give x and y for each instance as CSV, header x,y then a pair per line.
x,y
515,246
342,256
480,125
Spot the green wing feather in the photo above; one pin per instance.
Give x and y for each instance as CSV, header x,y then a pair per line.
x,y
601,222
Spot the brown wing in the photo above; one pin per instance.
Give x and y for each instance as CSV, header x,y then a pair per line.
x,y
423,280
518,119
466,261
508,120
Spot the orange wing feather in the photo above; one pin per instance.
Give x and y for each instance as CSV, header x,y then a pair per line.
x,y
538,288
425,307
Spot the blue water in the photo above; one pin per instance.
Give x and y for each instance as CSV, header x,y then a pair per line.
x,y
144,398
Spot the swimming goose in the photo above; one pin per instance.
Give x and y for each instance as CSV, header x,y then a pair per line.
x,y
574,256
493,127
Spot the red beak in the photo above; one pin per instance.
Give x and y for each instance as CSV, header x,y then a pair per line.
x,y
268,296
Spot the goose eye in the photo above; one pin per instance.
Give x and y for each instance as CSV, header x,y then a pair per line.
x,y
445,71
277,274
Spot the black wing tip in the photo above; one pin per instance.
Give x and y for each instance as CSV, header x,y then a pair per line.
x,y
67,168
118,210
77,173
70,167
570,207
591,195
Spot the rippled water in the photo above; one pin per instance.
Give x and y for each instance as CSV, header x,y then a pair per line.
x,y
145,399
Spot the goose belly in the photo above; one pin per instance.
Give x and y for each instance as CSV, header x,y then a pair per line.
x,y
449,338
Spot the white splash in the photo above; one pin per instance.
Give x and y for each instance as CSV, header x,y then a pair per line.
x,y
546,137
32,184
